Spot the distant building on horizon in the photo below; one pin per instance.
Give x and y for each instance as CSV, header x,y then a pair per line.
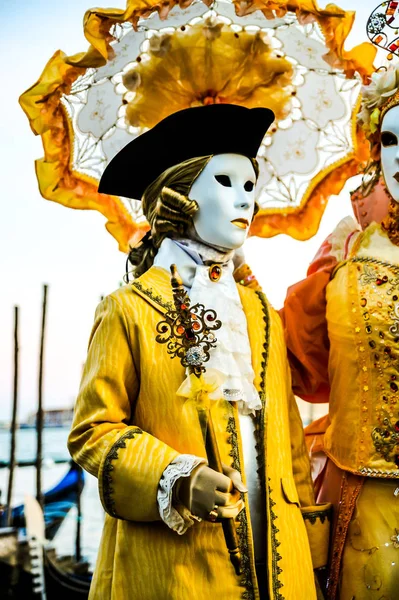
x,y
54,417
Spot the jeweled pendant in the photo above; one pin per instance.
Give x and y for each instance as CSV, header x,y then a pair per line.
x,y
215,273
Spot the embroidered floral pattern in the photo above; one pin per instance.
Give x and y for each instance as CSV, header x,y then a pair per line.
x,y
386,438
395,539
377,315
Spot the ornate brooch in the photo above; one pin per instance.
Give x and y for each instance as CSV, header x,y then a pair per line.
x,y
188,330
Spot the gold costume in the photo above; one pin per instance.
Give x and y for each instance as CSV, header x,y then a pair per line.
x,y
129,425
363,328
354,282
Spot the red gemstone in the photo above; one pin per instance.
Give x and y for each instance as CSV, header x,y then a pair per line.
x,y
183,307
379,281
211,318
215,273
397,426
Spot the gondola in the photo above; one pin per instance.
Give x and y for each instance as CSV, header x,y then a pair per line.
x,y
58,501
64,577
62,583
62,580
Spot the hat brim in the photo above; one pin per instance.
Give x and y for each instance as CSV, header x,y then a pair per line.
x,y
189,133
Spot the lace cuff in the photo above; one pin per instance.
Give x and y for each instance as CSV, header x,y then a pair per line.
x,y
177,517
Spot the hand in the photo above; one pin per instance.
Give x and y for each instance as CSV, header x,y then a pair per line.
x,y
205,490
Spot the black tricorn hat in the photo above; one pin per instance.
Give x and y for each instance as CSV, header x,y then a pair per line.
x,y
192,132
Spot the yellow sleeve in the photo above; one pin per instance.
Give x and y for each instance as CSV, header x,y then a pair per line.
x,y
316,516
127,461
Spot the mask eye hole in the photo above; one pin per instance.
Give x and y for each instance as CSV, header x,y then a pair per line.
x,y
249,186
388,139
224,180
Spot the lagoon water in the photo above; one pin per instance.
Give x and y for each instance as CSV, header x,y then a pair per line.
x,y
54,447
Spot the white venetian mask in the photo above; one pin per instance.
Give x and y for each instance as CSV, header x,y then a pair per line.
x,y
390,151
225,193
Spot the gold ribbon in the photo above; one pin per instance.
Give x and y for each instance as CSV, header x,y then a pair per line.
x,y
198,391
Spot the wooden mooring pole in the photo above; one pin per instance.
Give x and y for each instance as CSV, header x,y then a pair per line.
x,y
14,419
39,417
78,536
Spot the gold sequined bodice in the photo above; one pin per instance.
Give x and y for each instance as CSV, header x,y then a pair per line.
x,y
363,324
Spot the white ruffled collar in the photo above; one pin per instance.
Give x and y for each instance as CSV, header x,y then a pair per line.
x,y
232,355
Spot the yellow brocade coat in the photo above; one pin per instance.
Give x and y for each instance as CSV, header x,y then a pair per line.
x,y
129,425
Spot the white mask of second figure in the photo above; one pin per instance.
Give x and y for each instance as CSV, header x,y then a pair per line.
x,y
390,151
225,193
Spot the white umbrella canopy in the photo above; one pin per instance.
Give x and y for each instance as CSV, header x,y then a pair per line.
x,y
147,62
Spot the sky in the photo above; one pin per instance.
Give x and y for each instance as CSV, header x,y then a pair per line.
x,y
45,243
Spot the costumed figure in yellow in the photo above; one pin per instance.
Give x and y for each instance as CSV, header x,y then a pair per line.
x,y
342,332
133,428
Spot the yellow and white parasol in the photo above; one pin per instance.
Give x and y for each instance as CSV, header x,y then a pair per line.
x,y
154,59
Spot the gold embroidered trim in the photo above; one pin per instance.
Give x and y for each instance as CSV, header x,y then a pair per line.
x,y
351,486
148,292
260,420
375,261
276,570
365,259
108,491
313,516
242,528
379,473
276,557
266,343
